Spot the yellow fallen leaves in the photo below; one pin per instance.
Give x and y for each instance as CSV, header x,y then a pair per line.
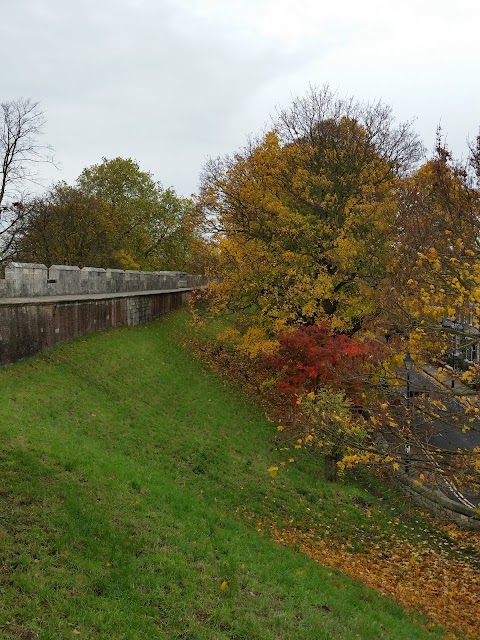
x,y
274,469
445,588
224,585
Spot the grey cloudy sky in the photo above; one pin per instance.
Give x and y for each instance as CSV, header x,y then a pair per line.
x,y
172,82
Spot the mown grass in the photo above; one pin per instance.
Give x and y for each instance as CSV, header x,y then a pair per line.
x,y
132,484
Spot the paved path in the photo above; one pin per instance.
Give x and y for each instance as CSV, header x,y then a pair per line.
x,y
445,435
80,297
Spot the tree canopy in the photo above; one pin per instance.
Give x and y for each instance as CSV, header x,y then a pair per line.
x,y
115,216
329,221
302,215
67,226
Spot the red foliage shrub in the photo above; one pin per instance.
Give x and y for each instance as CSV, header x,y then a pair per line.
x,y
313,357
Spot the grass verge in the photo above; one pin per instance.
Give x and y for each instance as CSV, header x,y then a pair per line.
x,y
135,500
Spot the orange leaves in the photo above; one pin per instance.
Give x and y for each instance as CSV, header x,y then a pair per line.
x,y
419,578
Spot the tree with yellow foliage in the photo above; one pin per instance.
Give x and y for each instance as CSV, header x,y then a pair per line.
x,y
302,215
429,303
328,217
434,266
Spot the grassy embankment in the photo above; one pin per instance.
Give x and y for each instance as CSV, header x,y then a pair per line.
x,y
135,502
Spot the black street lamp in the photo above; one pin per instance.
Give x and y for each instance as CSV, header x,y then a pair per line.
x,y
409,365
408,362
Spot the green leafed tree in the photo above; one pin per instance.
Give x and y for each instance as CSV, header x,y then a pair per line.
x,y
150,221
115,216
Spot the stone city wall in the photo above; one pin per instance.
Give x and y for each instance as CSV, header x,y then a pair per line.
x,y
24,280
40,307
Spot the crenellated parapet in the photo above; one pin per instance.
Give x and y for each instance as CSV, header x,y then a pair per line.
x,y
26,280
41,306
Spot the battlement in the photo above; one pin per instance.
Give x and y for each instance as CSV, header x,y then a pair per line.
x,y
26,280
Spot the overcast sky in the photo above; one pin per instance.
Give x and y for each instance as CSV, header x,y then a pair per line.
x,y
171,82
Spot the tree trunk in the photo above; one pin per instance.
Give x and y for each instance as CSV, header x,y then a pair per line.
x,y
330,469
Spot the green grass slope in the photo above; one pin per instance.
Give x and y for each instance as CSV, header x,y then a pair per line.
x,y
126,473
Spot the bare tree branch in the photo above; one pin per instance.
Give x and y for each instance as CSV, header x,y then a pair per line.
x,y
21,124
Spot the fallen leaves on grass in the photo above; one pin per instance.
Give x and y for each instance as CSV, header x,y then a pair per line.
x,y
419,578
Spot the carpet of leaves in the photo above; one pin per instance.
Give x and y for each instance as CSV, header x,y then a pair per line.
x,y
443,585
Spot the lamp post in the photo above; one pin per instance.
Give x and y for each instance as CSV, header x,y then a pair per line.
x,y
409,365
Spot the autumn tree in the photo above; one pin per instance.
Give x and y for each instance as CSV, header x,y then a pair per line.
x,y
325,375
21,124
433,266
428,305
301,214
150,222
303,219
66,226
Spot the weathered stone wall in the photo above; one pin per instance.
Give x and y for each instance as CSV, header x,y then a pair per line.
x,y
40,307
24,280
28,327
441,506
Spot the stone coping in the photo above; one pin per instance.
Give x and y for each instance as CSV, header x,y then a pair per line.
x,y
83,297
